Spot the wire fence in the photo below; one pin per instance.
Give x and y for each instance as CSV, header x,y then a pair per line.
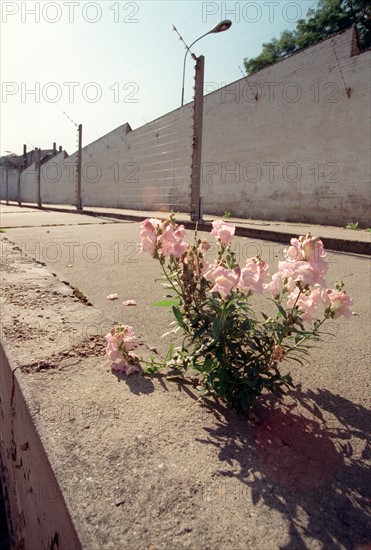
x,y
148,168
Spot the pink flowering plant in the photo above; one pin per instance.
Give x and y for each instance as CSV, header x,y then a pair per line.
x,y
231,351
121,342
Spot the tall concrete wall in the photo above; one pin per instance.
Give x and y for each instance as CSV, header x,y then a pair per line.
x,y
290,142
145,168
58,180
28,184
12,185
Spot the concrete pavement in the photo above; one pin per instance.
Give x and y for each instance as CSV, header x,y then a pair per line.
x,y
335,238
142,463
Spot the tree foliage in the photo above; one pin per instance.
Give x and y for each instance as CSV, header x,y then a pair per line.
x,y
330,17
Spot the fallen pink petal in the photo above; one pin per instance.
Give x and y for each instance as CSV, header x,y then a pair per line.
x,y
238,356
111,297
129,303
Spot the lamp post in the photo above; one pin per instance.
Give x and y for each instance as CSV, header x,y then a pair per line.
x,y
195,186
78,199
220,27
38,175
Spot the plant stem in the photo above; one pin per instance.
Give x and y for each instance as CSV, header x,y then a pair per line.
x,y
169,280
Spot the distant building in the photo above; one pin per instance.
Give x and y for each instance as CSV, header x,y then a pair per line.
x,y
14,162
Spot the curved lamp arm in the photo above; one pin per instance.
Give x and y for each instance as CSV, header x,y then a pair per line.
x,y
185,59
222,26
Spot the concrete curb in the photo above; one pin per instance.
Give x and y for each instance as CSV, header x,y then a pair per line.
x,y
41,513
38,516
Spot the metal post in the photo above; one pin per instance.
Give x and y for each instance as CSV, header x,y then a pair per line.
x,y
195,206
38,174
78,171
19,183
7,184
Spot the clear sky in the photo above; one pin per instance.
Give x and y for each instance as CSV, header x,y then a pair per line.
x,y
109,62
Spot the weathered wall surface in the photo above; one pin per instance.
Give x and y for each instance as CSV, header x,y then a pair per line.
x,y
28,184
12,185
145,168
290,143
58,180
299,149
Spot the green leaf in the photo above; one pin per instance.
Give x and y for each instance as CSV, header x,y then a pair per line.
x,y
179,317
170,352
166,303
281,310
198,333
217,327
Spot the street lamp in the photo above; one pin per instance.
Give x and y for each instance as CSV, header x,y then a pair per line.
x,y
220,27
195,198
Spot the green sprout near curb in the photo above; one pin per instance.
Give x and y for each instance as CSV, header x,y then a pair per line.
x,y
352,225
355,227
2,230
227,214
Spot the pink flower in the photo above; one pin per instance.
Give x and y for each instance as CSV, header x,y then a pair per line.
x,y
253,275
113,351
223,231
274,287
120,341
130,340
180,246
166,240
308,302
148,235
297,271
124,367
171,240
151,225
340,303
224,279
308,248
163,237
148,243
179,232
304,262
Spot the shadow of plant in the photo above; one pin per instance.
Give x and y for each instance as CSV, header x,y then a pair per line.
x,y
309,456
144,384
